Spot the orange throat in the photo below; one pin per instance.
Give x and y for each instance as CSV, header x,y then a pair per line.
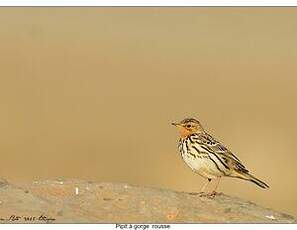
x,y
184,132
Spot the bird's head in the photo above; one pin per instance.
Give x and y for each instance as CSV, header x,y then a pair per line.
x,y
188,126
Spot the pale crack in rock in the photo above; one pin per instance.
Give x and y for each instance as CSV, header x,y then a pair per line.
x,y
271,217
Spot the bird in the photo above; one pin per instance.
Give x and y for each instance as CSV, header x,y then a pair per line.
x,y
208,157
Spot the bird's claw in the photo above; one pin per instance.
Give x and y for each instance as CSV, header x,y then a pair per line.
x,y
209,195
212,195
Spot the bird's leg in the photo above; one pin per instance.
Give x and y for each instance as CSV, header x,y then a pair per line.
x,y
213,193
205,186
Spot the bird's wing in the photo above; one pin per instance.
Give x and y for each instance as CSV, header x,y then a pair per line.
x,y
215,147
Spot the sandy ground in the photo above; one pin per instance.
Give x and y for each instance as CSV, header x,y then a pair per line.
x,y
75,201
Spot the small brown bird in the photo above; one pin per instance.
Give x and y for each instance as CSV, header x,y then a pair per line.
x,y
208,157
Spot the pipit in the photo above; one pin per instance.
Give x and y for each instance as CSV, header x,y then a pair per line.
x,y
208,157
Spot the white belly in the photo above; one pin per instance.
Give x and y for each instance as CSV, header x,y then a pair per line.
x,y
203,166
200,163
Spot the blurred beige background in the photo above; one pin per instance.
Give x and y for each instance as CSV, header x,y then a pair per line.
x,y
90,93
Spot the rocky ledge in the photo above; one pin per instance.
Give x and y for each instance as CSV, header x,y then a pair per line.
x,y
76,201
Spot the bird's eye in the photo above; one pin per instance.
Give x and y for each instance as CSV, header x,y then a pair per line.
x,y
188,126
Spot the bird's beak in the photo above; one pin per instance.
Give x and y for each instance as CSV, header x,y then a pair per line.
x,y
175,124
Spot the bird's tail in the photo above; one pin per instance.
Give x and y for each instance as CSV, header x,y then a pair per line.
x,y
249,177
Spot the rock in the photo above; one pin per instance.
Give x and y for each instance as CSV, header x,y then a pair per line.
x,y
75,201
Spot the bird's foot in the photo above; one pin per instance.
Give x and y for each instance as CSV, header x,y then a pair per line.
x,y
207,195
200,194
211,195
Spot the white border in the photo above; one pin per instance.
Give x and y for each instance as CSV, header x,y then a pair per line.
x,y
148,3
